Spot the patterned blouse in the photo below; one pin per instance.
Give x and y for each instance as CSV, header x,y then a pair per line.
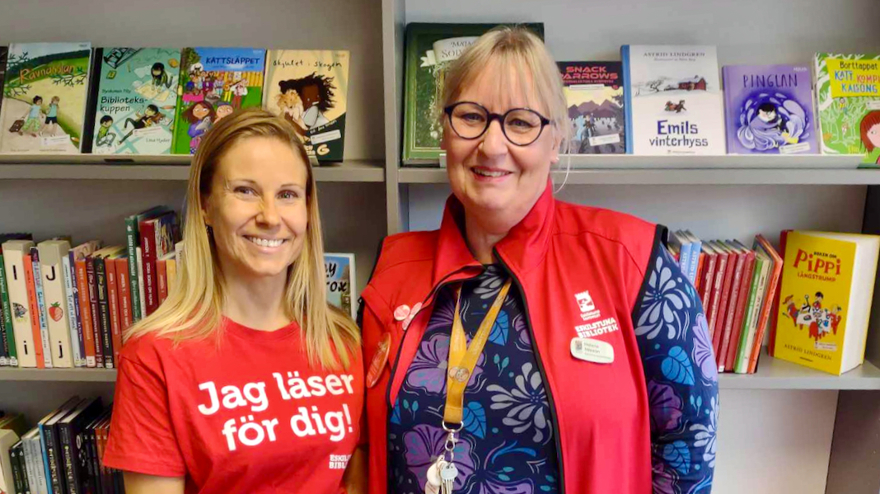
x,y
507,445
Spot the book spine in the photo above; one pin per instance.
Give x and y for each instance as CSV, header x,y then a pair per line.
x,y
140,286
148,246
774,318
6,332
34,308
68,453
72,318
742,357
92,458
113,299
54,460
30,464
742,308
718,286
131,244
122,279
96,312
104,311
85,312
729,317
44,475
708,280
56,307
627,98
18,476
83,470
771,301
96,459
724,303
696,249
41,307
161,281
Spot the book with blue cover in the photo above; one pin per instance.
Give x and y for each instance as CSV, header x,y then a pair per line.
x,y
136,100
673,100
769,109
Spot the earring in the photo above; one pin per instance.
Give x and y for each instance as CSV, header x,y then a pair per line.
x,y
209,230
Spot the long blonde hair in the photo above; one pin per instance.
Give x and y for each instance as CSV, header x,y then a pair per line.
x,y
194,305
518,48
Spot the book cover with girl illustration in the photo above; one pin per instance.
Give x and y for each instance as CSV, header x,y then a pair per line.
x,y
44,97
594,93
214,82
769,109
309,88
848,102
136,100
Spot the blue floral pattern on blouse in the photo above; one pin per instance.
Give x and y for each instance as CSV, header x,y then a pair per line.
x,y
507,445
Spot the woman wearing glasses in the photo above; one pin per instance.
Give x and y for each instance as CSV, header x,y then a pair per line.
x,y
531,345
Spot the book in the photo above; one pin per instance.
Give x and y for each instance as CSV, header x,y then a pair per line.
x,y
45,441
341,282
8,439
738,313
16,453
769,109
171,270
41,307
673,101
80,255
157,237
54,452
162,278
7,332
214,82
44,97
14,423
34,461
740,362
75,325
594,93
774,314
57,311
827,289
113,304
135,101
70,429
124,287
309,88
105,317
848,103
16,283
707,279
133,242
430,48
771,298
737,287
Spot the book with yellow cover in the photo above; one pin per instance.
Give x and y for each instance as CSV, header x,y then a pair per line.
x,y
825,301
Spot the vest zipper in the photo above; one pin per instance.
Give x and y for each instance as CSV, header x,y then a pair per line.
x,y
557,436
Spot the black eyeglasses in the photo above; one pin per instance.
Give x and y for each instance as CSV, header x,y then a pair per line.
x,y
520,126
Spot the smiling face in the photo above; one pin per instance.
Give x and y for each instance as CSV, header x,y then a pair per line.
x,y
200,111
492,177
257,209
310,96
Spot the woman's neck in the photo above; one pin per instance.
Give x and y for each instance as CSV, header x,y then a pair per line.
x,y
482,236
257,304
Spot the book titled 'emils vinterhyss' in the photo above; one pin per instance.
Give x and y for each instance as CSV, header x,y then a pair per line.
x,y
673,100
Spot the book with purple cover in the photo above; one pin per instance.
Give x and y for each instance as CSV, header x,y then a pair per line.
x,y
769,109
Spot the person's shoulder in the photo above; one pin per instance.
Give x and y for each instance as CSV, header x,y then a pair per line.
x,y
623,228
147,349
406,249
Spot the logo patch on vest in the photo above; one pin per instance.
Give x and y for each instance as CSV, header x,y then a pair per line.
x,y
607,325
587,307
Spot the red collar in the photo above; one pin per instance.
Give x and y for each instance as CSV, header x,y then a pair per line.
x,y
522,248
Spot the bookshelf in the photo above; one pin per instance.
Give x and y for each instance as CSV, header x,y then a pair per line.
x,y
786,429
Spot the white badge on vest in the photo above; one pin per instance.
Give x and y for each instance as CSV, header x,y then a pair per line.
x,y
591,350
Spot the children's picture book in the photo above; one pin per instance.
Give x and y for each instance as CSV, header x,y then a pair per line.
x,y
135,101
594,92
309,88
44,97
825,300
769,109
341,281
430,48
673,100
848,102
214,82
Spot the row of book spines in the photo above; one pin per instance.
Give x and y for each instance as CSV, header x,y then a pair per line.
x,y
64,459
736,286
99,305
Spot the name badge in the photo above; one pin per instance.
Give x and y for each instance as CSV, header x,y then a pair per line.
x,y
591,350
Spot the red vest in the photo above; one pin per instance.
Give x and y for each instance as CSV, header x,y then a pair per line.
x,y
580,271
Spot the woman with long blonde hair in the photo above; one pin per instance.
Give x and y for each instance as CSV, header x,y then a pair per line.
x,y
244,379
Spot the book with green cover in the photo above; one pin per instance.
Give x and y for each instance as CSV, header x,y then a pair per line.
x,y
847,91
430,48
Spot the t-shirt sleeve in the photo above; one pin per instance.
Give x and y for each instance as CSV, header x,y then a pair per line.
x,y
681,377
142,438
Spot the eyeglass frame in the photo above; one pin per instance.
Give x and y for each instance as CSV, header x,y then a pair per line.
x,y
490,117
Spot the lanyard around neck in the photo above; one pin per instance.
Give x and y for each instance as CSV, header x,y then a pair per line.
x,y
463,358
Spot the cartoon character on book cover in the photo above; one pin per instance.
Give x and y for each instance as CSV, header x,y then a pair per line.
x,y
594,92
136,100
309,89
769,109
214,82
848,99
45,92
818,320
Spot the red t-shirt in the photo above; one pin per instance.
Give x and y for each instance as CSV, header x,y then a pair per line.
x,y
249,415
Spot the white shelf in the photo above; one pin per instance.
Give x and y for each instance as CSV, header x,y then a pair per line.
x,y
62,375
778,374
165,167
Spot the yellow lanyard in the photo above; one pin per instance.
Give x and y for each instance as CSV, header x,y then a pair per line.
x,y
463,358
